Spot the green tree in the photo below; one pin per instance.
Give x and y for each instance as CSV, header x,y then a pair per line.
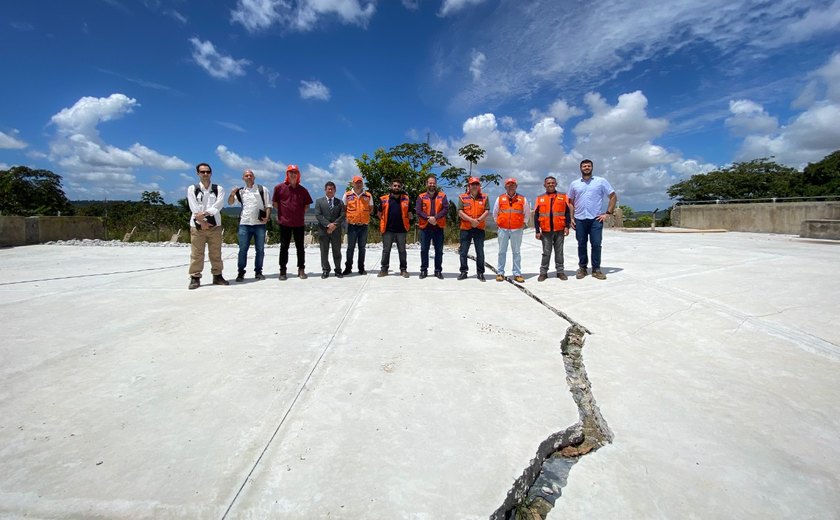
x,y
27,192
472,153
626,211
153,198
823,177
759,178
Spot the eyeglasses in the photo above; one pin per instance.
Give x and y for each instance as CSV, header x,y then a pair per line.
x,y
208,172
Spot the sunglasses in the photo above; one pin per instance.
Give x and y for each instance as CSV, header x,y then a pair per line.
x,y
208,172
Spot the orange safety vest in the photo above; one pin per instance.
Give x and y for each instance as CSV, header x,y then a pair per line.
x,y
552,211
511,212
474,208
358,207
426,201
385,199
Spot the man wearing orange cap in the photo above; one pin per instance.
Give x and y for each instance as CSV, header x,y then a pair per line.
x,y
431,209
290,202
359,204
512,213
473,208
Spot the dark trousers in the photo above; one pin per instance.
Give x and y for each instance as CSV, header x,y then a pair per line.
x,y
476,236
246,232
286,233
552,240
431,234
356,234
325,241
388,239
592,230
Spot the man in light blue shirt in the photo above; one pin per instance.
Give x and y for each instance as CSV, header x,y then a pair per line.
x,y
586,195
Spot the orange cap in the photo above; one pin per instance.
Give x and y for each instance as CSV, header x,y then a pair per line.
x,y
474,180
358,178
510,180
292,168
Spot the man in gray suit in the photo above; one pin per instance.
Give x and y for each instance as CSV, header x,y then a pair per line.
x,y
330,213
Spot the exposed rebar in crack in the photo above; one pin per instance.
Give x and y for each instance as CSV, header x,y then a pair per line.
x,y
586,436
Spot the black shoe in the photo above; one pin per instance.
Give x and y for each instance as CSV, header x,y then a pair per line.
x,y
347,270
463,276
282,276
219,280
423,274
240,277
362,272
325,274
259,276
194,282
480,276
339,274
438,275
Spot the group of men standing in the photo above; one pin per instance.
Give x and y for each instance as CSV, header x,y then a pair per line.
x,y
554,215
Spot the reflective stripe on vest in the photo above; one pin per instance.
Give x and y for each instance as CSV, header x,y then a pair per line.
x,y
426,201
358,207
474,208
552,210
404,206
511,212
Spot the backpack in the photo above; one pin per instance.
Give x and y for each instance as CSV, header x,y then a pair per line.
x,y
261,189
214,189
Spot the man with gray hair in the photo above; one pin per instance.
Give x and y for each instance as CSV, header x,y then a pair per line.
x,y
256,210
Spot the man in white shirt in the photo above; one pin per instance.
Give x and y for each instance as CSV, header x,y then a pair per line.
x,y
206,201
256,210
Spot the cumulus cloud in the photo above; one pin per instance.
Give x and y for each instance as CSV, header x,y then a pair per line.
x,y
314,90
299,15
452,6
749,117
231,126
477,64
10,142
92,165
270,75
216,64
809,136
266,169
344,167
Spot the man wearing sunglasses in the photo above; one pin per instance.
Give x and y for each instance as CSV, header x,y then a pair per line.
x,y
206,201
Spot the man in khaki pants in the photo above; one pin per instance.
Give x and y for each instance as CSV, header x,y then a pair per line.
x,y
206,201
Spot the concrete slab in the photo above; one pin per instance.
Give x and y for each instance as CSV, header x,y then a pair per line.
x,y
125,395
715,363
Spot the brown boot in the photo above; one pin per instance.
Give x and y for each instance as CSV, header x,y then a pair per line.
x,y
302,274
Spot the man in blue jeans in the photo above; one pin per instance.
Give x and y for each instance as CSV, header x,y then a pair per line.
x,y
431,209
256,210
586,196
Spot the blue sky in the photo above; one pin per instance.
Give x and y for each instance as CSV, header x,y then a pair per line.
x,y
123,96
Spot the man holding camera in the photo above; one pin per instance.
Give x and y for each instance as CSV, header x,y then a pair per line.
x,y
256,210
206,201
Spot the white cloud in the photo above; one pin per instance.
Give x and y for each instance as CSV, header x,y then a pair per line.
x,y
561,111
270,75
749,117
299,15
814,21
477,64
216,64
344,167
231,126
4,166
810,135
88,160
314,90
172,13
451,6
266,169
411,5
685,168
10,142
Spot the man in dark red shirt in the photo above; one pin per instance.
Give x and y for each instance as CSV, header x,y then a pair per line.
x,y
290,202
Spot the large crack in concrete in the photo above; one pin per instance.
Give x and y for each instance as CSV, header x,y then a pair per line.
x,y
535,492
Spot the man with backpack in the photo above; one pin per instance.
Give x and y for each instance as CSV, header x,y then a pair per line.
x,y
206,201
256,210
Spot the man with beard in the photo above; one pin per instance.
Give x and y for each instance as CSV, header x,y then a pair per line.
x,y
290,201
394,224
431,208
587,198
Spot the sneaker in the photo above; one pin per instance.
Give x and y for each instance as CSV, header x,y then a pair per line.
x,y
599,275
500,278
259,276
439,275
423,274
240,277
347,270
480,276
562,275
462,276
325,274
362,271
581,273
194,282
282,276
542,277
382,272
404,273
219,280
518,278
302,274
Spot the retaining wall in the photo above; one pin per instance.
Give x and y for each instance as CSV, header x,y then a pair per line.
x,y
19,231
760,217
